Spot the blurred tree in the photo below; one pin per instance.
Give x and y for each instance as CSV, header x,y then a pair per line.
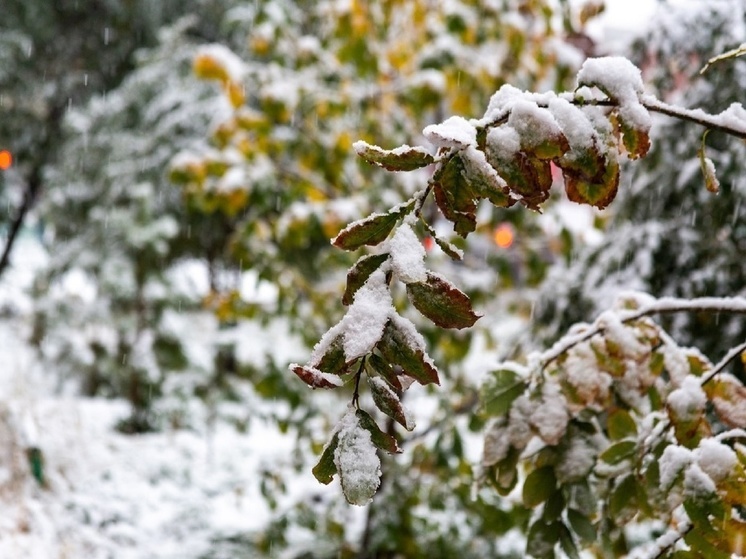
x,y
55,56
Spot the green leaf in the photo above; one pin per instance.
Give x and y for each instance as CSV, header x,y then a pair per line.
x,y
377,365
388,402
326,468
703,547
404,158
621,425
381,440
554,506
505,472
359,273
619,452
442,303
371,230
567,543
333,361
581,525
396,348
623,500
482,182
499,390
538,486
542,537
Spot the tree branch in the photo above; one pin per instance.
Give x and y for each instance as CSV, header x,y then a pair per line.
x,y
666,305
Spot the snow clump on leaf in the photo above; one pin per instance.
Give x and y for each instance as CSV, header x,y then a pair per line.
x,y
356,460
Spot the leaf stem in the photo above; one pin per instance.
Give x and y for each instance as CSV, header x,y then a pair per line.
x,y
356,393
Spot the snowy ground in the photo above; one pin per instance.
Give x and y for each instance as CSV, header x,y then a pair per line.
x,y
108,495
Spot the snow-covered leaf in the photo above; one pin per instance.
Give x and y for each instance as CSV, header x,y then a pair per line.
x,y
360,272
316,378
404,158
356,460
398,348
377,365
371,230
381,440
388,402
442,303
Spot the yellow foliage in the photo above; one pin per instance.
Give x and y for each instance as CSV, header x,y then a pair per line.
x,y
235,92
207,67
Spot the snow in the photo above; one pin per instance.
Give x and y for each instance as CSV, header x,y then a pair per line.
x,y
533,124
551,416
688,401
357,461
407,255
227,59
454,132
367,316
622,82
503,142
716,459
697,483
672,462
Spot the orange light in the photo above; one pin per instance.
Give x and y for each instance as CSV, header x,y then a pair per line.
x,y
6,160
504,236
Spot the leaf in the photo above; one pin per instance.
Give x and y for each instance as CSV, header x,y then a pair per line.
x,y
334,360
621,425
567,543
635,140
542,537
442,303
454,196
538,486
380,439
325,469
315,378
600,191
712,184
483,179
396,348
499,390
377,365
581,525
404,158
359,273
619,452
623,500
388,402
452,251
371,230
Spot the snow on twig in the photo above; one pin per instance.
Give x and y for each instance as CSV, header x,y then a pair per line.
x,y
664,305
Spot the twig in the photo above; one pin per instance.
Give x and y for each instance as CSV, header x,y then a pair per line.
x,y
661,306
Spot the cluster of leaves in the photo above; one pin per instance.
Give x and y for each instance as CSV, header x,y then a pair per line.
x,y
504,158
617,425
